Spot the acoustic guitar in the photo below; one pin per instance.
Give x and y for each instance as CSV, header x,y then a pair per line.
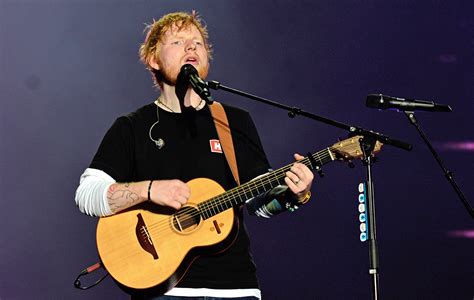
x,y
152,246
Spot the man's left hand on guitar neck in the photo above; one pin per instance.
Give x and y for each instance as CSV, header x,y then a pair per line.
x,y
299,180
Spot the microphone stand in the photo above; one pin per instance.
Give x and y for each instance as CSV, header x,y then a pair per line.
x,y
295,111
449,175
367,145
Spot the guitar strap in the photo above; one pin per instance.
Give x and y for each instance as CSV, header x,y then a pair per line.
x,y
225,137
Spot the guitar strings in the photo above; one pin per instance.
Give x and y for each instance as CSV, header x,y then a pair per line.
x,y
241,190
159,227
212,204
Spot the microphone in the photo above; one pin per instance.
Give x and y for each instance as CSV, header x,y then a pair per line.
x,y
189,74
380,101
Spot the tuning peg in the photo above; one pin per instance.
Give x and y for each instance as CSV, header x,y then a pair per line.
x,y
319,171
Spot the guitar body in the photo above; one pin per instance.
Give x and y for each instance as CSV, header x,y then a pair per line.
x,y
153,246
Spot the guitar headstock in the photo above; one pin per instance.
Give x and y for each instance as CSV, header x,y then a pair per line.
x,y
349,149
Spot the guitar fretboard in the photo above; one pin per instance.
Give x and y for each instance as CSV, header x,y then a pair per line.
x,y
259,185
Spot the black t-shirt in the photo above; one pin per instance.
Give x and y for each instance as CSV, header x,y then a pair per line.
x,y
128,154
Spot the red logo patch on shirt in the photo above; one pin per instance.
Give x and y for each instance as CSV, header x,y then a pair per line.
x,y
215,146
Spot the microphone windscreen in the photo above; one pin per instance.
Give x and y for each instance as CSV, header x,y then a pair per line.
x,y
188,70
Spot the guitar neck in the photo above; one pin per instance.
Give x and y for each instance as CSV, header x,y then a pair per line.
x,y
260,185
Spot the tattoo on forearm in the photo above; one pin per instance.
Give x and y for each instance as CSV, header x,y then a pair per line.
x,y
120,197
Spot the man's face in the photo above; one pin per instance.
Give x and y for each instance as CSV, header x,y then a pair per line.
x,y
179,48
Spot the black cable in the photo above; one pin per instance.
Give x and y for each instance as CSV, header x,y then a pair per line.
x,y
95,267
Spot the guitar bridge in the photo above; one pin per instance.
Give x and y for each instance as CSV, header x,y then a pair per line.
x,y
144,238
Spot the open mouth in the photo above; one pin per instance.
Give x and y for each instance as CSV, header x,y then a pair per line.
x,y
191,60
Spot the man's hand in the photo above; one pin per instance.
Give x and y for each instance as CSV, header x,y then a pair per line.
x,y
173,193
299,178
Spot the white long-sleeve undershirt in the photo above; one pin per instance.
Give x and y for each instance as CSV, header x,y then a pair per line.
x,y
91,195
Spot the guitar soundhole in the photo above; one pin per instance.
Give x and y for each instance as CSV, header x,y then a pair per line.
x,y
186,219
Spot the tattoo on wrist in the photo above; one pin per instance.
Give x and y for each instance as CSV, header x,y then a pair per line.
x,y
120,198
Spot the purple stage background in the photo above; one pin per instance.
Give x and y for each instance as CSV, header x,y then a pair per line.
x,y
68,68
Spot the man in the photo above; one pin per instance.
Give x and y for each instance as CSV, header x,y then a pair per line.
x,y
149,155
